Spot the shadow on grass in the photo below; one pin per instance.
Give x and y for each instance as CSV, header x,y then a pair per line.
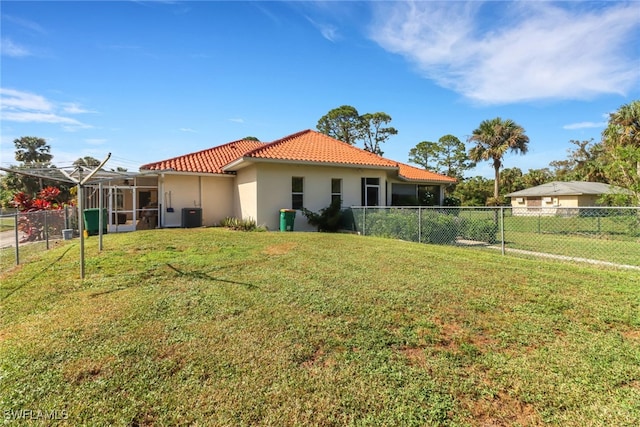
x,y
192,274
200,275
38,274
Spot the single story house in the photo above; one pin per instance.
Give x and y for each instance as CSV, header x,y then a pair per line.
x,y
251,179
555,197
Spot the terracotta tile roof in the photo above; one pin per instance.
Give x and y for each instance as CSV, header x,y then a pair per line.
x,y
210,160
306,146
412,173
312,146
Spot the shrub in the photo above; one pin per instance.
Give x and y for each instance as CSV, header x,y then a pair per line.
x,y
482,230
328,219
403,224
438,228
34,220
247,224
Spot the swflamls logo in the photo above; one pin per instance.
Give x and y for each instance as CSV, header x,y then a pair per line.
x,y
35,414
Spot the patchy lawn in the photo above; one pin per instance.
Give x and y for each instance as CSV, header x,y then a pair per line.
x,y
213,327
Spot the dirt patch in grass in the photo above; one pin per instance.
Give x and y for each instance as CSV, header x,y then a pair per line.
x,y
415,355
280,249
633,335
315,359
503,410
452,336
87,369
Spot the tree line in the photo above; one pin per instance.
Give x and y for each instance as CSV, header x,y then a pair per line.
x,y
33,154
615,159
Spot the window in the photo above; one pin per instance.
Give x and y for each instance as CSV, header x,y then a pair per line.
x,y
404,195
297,189
336,190
119,199
370,191
429,195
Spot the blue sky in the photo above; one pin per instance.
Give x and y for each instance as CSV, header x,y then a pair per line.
x,y
149,80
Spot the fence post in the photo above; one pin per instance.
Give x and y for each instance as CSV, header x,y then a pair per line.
x,y
46,229
17,240
502,227
364,221
419,224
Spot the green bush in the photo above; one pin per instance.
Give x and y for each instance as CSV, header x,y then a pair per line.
x,y
403,224
247,224
397,224
482,230
439,228
328,219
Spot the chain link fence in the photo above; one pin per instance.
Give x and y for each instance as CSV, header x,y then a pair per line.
x,y
24,235
600,235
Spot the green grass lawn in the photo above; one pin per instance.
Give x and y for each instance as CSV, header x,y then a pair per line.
x,y
7,223
616,251
213,327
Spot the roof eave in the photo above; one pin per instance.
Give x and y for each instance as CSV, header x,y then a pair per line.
x,y
191,173
439,181
246,161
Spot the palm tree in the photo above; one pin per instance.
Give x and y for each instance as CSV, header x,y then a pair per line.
x,y
493,138
32,150
621,143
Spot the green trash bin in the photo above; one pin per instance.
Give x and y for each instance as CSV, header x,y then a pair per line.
x,y
287,218
92,221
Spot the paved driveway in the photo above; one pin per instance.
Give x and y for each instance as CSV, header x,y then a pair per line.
x,y
8,238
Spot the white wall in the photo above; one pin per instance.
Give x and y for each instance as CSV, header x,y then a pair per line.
x,y
211,193
217,199
274,190
245,194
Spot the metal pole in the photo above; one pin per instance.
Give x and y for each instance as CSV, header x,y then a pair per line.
x,y
81,229
100,218
419,224
17,240
46,228
502,227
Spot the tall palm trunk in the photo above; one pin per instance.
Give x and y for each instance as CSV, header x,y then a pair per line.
x,y
496,183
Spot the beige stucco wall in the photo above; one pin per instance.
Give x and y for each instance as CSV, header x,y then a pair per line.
x,y
552,205
211,193
265,188
245,198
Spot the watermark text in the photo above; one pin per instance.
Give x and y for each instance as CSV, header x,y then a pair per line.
x,y
34,414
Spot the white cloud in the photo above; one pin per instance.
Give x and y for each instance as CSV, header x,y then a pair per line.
x,y
9,48
501,52
31,26
25,107
236,120
187,130
328,31
74,108
17,100
584,125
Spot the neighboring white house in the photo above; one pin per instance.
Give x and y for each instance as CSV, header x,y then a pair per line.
x,y
555,197
250,179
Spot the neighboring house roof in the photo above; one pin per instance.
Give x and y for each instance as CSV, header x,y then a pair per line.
x,y
307,146
569,188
